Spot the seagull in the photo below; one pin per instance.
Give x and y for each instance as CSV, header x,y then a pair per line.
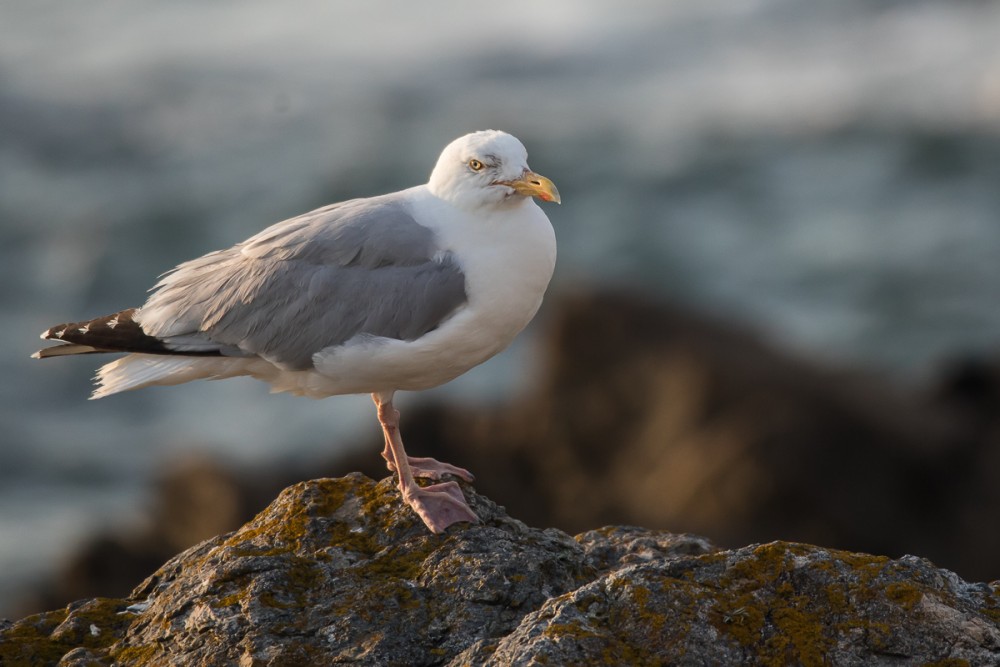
x,y
398,292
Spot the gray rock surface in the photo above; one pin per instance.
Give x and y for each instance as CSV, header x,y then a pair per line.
x,y
339,571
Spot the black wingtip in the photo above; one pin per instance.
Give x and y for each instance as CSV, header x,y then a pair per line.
x,y
118,332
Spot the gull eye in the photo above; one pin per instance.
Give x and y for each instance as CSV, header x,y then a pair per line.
x,y
475,165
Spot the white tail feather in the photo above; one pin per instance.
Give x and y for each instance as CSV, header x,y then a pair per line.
x,y
135,371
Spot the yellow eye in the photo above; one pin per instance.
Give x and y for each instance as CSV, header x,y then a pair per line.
x,y
475,165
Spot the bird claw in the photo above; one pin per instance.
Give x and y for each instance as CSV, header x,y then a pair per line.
x,y
428,468
440,505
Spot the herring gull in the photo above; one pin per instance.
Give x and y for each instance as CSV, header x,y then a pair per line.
x,y
403,291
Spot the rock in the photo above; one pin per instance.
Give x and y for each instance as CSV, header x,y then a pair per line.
x,y
340,571
690,424
775,604
194,498
682,423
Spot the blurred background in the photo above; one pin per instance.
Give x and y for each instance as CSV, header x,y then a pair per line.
x,y
775,314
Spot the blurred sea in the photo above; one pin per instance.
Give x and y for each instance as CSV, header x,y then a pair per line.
x,y
827,172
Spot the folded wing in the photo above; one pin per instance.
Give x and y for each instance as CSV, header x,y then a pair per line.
x,y
360,267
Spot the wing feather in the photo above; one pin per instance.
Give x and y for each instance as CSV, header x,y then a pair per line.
x,y
359,267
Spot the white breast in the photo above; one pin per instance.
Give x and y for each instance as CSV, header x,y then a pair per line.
x,y
507,256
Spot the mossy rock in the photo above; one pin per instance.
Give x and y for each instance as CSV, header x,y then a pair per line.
x,y
339,570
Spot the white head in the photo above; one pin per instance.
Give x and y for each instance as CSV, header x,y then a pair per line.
x,y
488,168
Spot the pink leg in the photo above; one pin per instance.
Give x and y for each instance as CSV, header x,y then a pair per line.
x,y
438,505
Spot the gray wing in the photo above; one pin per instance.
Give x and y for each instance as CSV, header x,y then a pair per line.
x,y
359,267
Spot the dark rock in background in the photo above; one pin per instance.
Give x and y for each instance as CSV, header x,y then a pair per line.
x,y
652,415
340,571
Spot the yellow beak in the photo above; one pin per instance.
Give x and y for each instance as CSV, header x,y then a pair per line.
x,y
534,185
